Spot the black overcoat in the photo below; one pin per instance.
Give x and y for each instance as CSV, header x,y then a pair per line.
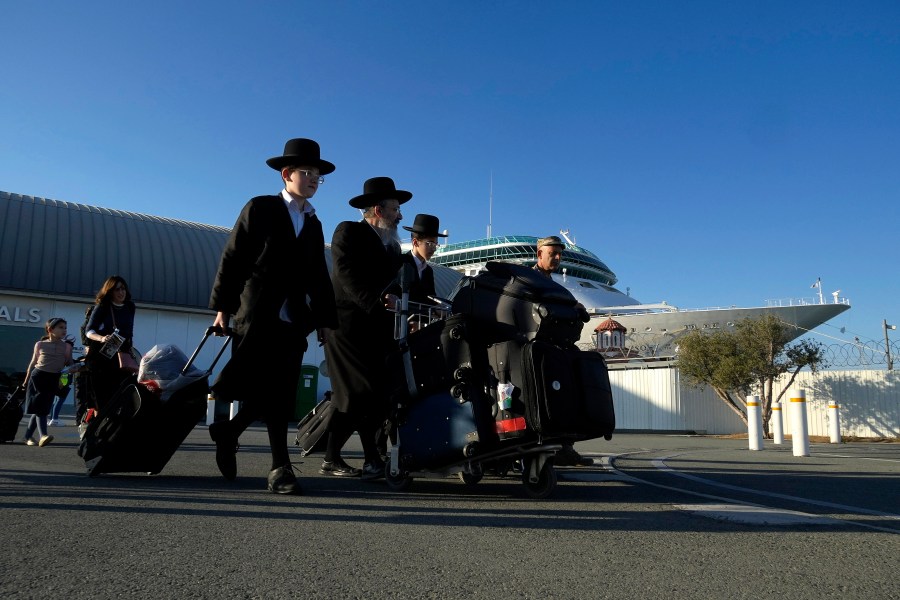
x,y
361,270
265,267
420,288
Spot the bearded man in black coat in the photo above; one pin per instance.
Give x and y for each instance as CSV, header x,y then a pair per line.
x,y
273,260
365,258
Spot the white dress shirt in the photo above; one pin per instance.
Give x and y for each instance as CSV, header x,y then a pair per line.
x,y
298,217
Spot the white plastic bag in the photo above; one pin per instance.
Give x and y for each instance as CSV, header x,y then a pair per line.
x,y
161,368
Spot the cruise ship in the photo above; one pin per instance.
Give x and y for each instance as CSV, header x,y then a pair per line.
x,y
650,331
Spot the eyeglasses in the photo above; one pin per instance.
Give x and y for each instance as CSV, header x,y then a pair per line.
x,y
312,175
429,244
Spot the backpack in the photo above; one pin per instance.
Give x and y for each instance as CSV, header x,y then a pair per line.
x,y
87,317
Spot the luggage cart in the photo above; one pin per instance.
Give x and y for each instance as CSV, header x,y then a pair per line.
x,y
444,420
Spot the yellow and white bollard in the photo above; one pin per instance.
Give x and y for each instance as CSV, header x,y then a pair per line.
x,y
754,423
210,409
799,426
777,424
834,422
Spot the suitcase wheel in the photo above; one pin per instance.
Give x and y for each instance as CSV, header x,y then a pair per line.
x,y
470,478
462,373
399,482
539,477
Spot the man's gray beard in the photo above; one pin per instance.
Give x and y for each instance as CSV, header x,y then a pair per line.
x,y
387,231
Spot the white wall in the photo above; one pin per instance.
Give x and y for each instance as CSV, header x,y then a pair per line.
x,y
656,399
868,401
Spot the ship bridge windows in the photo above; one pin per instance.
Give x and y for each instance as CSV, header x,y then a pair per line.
x,y
587,284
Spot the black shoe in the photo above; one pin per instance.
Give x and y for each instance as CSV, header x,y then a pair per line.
x,y
568,457
283,481
338,468
226,448
584,461
372,470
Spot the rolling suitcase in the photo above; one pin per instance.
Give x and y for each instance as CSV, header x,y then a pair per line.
x,y
437,431
505,362
11,414
312,428
593,377
442,357
566,391
138,431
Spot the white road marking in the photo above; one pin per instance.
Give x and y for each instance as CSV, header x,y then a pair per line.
x,y
660,464
607,463
755,515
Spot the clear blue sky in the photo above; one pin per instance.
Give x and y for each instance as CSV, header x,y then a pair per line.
x,y
711,153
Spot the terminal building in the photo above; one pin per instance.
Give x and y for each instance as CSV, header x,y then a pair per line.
x,y
55,255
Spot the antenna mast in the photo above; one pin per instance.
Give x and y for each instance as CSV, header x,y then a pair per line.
x,y
565,234
491,205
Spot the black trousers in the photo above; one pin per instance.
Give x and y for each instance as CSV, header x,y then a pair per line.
x,y
263,375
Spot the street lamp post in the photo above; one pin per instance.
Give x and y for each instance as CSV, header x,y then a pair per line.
x,y
887,344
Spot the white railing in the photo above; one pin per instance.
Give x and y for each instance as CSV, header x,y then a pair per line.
x,y
804,301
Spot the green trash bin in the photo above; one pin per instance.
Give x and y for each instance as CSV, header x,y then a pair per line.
x,y
307,390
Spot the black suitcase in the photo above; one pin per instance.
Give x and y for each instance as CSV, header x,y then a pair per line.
x,y
443,357
437,431
312,428
510,301
11,414
598,410
566,392
505,360
137,431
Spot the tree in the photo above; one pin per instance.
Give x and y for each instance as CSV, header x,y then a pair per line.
x,y
755,353
713,359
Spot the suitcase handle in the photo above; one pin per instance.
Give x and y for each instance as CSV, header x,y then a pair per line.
x,y
209,331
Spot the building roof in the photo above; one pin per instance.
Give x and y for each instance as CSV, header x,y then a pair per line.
x,y
610,325
67,250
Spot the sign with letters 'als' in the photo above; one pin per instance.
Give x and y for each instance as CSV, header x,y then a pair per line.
x,y
20,314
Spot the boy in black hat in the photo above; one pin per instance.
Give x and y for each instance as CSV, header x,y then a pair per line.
x,y
273,260
424,243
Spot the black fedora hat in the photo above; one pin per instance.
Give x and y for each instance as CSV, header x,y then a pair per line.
x,y
301,152
426,226
377,189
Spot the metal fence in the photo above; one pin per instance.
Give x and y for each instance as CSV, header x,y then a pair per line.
x,y
843,355
861,354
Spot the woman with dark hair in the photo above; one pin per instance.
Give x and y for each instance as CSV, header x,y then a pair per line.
x,y
111,320
51,355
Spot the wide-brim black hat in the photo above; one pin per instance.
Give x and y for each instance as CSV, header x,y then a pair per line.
x,y
377,189
426,226
301,152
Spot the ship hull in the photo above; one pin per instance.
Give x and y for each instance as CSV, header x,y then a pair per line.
x,y
655,334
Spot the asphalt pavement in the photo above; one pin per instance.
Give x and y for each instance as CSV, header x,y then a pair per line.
x,y
657,516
